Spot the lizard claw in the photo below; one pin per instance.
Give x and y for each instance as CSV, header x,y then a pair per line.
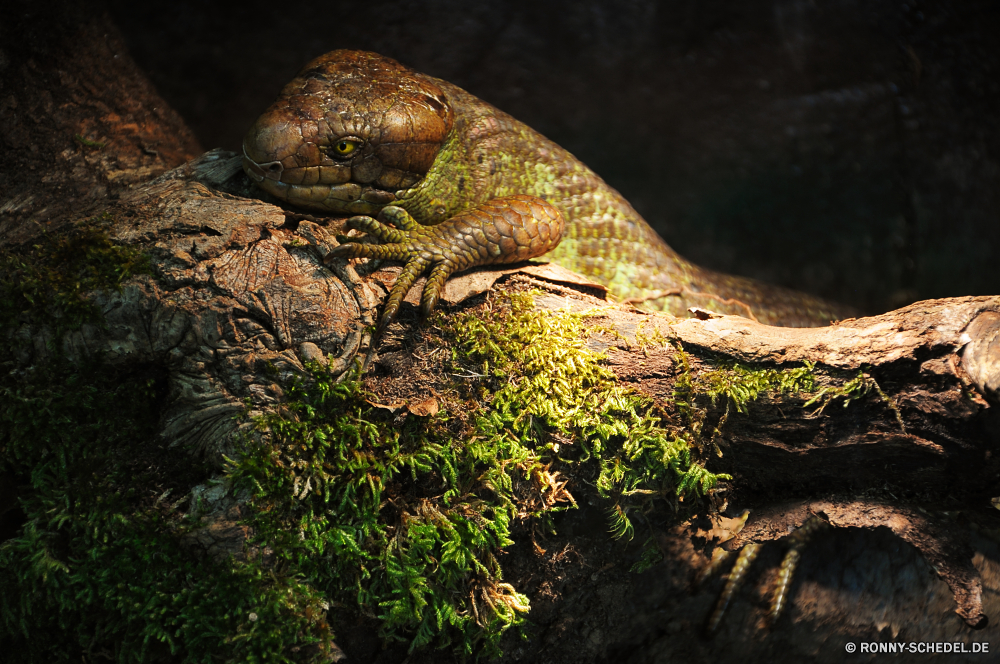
x,y
503,230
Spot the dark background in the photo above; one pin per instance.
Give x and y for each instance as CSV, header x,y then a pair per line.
x,y
847,148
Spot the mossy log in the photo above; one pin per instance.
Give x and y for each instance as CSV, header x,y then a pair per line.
x,y
880,424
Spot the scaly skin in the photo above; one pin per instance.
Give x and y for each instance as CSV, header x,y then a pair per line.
x,y
504,230
356,132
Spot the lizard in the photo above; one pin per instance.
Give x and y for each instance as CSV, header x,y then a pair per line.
x,y
357,133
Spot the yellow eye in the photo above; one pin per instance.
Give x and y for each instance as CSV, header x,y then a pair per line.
x,y
344,147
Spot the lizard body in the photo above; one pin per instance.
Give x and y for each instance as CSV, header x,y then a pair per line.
x,y
358,133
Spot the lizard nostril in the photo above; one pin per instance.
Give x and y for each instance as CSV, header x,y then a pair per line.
x,y
273,170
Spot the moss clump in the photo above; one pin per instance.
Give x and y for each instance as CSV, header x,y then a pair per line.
x,y
544,380
99,566
391,519
48,282
740,384
405,522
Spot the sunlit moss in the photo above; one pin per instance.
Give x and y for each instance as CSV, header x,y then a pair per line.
x,y
405,521
547,380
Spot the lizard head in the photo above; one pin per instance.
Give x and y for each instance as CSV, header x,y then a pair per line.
x,y
347,133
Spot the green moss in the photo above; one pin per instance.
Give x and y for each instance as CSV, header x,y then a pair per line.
x,y
648,339
738,384
851,389
406,521
86,142
399,521
48,282
650,556
741,383
99,566
544,380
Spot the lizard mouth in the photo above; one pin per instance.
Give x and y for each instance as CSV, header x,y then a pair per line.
x,y
257,172
345,197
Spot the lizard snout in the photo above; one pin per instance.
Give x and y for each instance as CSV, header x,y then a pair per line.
x,y
258,172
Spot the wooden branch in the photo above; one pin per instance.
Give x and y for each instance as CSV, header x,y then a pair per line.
x,y
929,370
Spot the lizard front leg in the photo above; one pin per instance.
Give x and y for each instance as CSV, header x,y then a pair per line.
x,y
502,230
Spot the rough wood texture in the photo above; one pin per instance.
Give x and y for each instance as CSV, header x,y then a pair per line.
x,y
78,121
931,420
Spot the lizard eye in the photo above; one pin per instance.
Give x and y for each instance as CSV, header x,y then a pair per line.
x,y
345,147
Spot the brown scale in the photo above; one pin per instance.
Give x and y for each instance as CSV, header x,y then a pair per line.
x,y
355,132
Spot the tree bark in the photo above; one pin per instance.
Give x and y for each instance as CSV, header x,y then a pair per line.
x,y
239,289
